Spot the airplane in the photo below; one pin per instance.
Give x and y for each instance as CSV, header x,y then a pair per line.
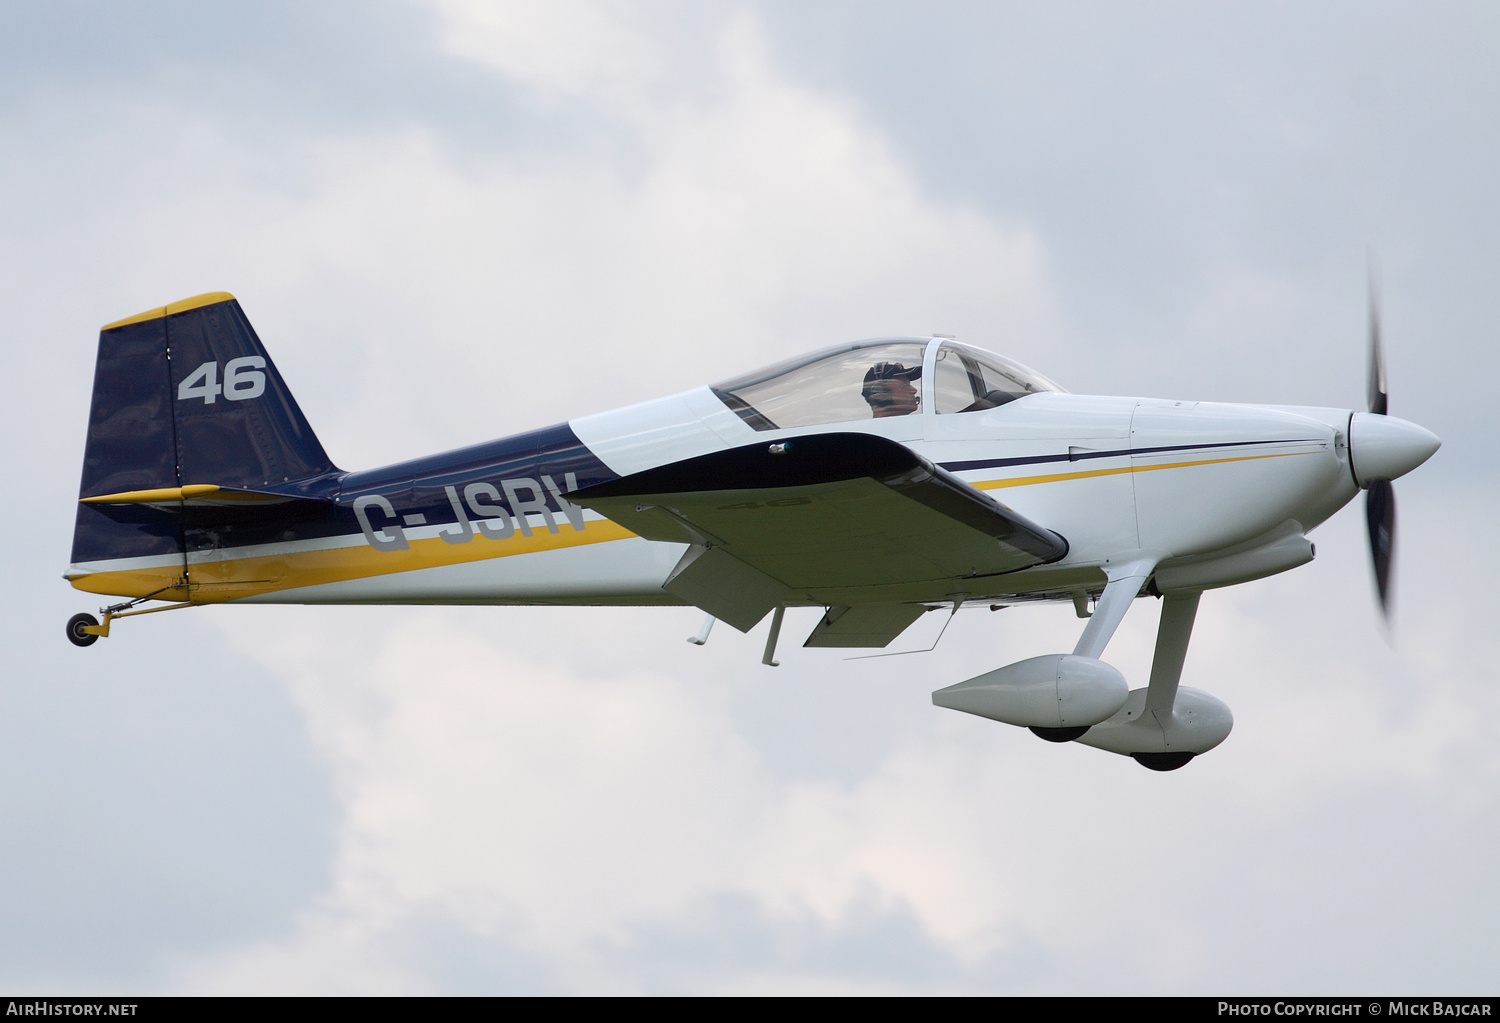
x,y
878,480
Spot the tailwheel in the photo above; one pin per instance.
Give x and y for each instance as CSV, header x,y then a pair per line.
x,y
77,626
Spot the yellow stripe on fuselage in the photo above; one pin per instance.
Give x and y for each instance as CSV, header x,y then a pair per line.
x,y
1026,481
214,582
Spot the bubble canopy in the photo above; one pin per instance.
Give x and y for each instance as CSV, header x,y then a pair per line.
x,y
970,379
877,379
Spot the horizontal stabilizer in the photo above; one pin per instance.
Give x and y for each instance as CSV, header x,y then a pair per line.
x,y
200,495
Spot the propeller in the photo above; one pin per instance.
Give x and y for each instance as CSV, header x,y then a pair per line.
x,y
1380,497
1376,383
1380,518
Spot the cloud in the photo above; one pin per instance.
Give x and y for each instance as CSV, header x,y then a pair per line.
x,y
518,783
575,800
567,815
441,296
572,49
437,295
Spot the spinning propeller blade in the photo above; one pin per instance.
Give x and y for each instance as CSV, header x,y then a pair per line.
x,y
1380,498
1380,517
1376,384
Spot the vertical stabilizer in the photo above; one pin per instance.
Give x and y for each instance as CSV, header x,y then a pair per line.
x,y
183,395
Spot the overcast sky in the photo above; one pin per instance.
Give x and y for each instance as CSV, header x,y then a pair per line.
x,y
454,220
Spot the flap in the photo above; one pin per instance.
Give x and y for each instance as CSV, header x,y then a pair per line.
x,y
725,587
869,625
827,510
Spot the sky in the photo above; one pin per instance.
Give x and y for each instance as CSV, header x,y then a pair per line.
x,y
453,220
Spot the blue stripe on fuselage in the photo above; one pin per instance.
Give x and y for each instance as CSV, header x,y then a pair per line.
x,y
1078,456
416,487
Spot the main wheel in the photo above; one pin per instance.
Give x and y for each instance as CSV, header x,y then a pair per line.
x,y
1059,734
76,633
1163,761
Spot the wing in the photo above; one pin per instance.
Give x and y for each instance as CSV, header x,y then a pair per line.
x,y
771,521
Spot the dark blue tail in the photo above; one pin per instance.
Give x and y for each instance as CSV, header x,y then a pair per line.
x,y
185,395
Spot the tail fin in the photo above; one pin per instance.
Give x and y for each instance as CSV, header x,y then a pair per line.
x,y
184,395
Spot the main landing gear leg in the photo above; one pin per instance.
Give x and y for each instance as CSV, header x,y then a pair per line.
x,y
1164,725
1125,582
1064,697
1177,613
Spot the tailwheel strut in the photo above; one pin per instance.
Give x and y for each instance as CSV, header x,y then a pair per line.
x,y
85,630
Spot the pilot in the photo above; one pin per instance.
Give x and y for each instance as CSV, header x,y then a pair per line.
x,y
889,389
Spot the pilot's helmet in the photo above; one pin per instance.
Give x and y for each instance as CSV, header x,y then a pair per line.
x,y
888,371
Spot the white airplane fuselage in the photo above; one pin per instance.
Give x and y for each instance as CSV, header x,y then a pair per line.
x,y
1112,475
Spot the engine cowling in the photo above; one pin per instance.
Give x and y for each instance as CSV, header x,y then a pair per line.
x,y
1054,691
